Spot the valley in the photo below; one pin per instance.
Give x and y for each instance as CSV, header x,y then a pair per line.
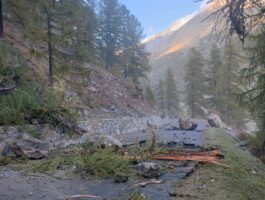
x,y
91,108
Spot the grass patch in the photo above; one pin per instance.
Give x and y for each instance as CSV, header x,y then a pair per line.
x,y
243,179
103,162
136,196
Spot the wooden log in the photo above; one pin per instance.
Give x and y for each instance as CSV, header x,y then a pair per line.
x,y
201,159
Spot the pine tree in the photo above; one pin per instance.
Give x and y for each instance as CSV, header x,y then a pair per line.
x,y
230,88
214,78
109,32
172,97
160,94
195,87
59,26
253,96
134,58
150,96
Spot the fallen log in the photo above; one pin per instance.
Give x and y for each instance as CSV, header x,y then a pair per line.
x,y
198,153
201,159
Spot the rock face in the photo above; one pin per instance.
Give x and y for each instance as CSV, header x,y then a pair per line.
x,y
148,170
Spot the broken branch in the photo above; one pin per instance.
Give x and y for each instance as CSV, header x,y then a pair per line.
x,y
152,181
82,197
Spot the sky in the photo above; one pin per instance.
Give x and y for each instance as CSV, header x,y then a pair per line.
x,y
157,15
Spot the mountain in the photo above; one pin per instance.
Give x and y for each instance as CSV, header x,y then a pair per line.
x,y
170,48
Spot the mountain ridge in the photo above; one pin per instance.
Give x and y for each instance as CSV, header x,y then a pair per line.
x,y
171,50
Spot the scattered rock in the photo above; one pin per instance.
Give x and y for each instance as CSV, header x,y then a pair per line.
x,y
172,144
109,140
120,178
192,127
172,193
19,151
148,170
12,148
33,154
242,144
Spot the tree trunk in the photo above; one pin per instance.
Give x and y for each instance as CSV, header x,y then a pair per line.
x,y
49,34
1,21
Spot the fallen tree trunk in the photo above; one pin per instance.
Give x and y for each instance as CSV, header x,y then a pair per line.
x,y
201,159
198,153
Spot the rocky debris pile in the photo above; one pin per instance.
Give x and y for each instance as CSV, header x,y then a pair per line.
x,y
115,96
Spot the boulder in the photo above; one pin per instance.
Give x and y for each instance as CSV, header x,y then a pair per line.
x,y
187,125
19,151
33,154
215,121
120,178
183,123
192,127
148,170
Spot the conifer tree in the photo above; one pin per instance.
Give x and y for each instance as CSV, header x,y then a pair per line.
x,y
150,96
214,78
253,97
134,58
230,88
61,27
160,94
109,32
195,87
172,97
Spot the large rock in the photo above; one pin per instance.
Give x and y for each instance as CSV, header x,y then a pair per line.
x,y
183,123
187,125
148,170
19,151
215,121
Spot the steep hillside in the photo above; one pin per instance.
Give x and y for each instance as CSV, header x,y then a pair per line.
x,y
169,49
90,89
